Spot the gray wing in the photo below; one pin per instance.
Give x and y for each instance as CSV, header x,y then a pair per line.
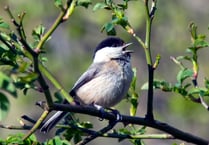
x,y
91,73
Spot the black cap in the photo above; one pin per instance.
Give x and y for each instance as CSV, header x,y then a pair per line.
x,y
110,42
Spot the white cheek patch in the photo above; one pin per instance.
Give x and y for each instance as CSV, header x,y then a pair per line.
x,y
101,56
105,54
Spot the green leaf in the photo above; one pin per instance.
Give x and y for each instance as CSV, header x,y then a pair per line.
x,y
4,106
184,74
124,131
178,89
58,3
183,58
133,83
57,141
38,32
24,65
200,43
123,6
7,85
58,96
134,104
133,95
98,6
3,49
3,24
194,91
193,30
15,139
162,84
32,140
144,86
206,81
109,28
5,36
84,3
86,124
159,84
77,137
29,77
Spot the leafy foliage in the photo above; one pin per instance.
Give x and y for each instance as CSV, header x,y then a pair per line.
x,y
118,15
187,78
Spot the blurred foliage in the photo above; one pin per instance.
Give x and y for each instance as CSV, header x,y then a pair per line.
x,y
169,38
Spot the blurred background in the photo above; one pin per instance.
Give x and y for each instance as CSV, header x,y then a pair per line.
x,y
70,50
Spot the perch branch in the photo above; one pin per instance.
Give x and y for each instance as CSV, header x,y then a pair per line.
x,y
176,133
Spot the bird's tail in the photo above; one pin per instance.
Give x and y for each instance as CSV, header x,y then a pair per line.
x,y
49,124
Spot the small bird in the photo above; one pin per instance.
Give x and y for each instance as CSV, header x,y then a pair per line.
x,y
106,81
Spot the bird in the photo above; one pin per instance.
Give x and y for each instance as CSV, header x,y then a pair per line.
x,y
105,83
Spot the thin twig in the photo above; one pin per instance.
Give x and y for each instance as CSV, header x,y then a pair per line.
x,y
139,136
37,124
13,127
97,134
63,16
204,104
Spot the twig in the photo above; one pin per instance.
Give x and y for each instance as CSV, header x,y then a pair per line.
x,y
13,127
139,136
63,16
99,133
25,117
37,124
204,104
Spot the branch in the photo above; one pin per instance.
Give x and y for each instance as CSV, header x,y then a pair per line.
x,y
63,16
149,18
176,133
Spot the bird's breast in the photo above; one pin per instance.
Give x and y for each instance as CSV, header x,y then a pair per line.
x,y
109,86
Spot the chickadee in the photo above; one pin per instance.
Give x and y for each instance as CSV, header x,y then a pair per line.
x,y
106,81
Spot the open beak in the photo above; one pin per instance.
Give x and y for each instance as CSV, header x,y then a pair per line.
x,y
127,51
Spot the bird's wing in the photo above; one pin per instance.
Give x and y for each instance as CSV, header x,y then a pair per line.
x,y
91,73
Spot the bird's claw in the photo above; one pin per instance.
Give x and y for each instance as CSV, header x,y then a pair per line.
x,y
102,112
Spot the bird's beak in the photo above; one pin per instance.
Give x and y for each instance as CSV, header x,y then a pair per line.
x,y
127,51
